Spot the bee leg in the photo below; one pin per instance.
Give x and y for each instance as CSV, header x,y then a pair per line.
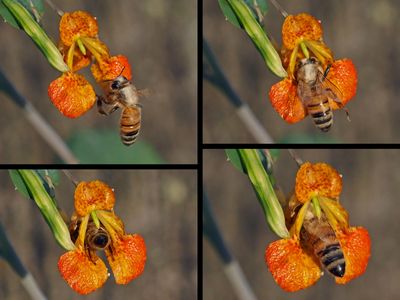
x,y
103,108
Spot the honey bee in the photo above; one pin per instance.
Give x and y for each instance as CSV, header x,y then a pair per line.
x,y
318,238
121,93
315,89
95,238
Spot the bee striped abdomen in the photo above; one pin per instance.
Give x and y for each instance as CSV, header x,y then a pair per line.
x,y
130,125
319,238
321,113
333,259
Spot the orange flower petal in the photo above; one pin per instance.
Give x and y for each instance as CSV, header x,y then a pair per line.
x,y
72,94
298,28
76,24
356,246
284,99
111,68
344,75
93,195
128,258
318,179
290,266
82,275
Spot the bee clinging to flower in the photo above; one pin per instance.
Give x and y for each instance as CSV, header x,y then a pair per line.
x,y
316,83
320,235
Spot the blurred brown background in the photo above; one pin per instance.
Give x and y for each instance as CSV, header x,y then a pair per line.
x,y
371,185
365,31
159,38
159,205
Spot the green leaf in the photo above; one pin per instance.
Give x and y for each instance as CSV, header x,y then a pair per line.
x,y
8,17
258,8
48,208
34,7
19,183
264,191
258,37
37,34
104,146
234,157
229,13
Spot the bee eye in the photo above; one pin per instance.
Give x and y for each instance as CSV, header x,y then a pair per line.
x,y
115,85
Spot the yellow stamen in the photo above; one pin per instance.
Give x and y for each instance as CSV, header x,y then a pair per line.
x,y
292,62
295,230
317,207
70,56
82,232
305,50
94,50
81,47
95,218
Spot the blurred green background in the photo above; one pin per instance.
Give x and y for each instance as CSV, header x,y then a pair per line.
x,y
364,31
371,185
160,40
159,205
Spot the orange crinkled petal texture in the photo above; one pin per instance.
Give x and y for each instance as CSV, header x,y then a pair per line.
x,y
356,246
344,75
298,28
290,266
284,99
111,68
76,24
72,94
128,258
93,195
318,179
83,275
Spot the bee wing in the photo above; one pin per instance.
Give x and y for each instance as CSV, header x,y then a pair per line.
x,y
144,92
332,91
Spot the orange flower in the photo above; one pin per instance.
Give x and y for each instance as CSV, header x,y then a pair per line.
x,y
72,94
318,179
298,28
295,262
302,38
93,195
111,68
98,228
75,25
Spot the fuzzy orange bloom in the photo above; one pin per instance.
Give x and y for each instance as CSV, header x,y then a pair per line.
x,y
318,179
129,258
301,27
72,94
75,25
290,266
293,262
83,275
356,246
93,195
285,100
111,68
